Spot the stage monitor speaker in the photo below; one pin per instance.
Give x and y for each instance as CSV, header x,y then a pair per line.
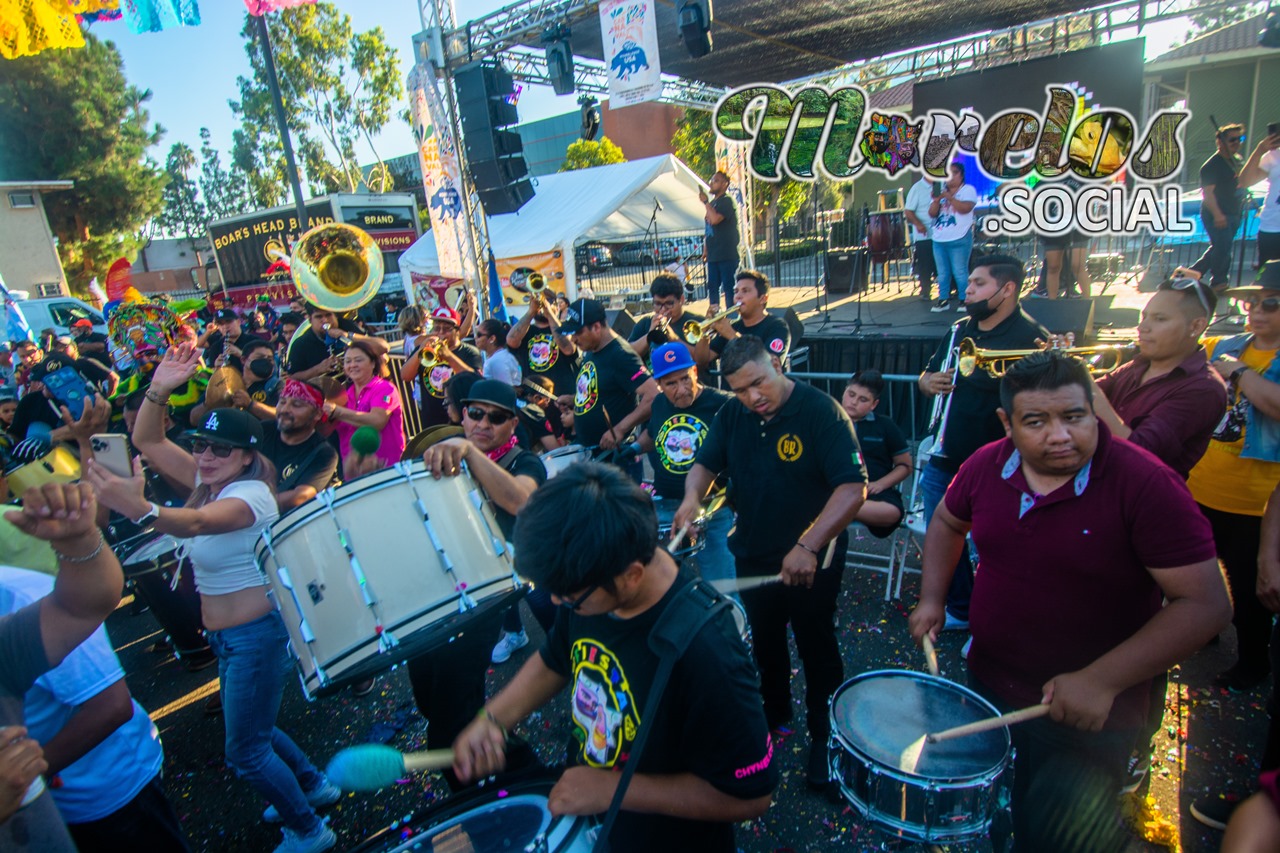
x,y
848,270
1060,316
795,325
621,322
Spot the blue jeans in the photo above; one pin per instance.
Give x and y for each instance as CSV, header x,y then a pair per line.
x,y
715,563
721,275
952,261
933,485
253,661
1215,263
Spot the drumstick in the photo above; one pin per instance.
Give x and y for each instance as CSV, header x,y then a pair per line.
x,y
743,584
930,654
372,766
827,554
990,723
679,537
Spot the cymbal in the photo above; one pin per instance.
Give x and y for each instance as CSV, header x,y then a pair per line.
x,y
223,385
333,390
429,436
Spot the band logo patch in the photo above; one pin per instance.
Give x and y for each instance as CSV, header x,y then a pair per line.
x,y
587,389
790,448
777,345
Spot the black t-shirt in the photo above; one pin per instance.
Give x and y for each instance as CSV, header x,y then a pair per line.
x,y
518,463
93,372
538,355
880,441
972,420
781,472
435,408
311,348
645,326
540,422
1221,175
710,722
677,434
607,382
103,357
266,391
313,463
774,331
217,344
722,239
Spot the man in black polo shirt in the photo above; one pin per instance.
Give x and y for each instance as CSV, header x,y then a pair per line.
x,y
678,424
1220,206
318,351
614,391
996,322
751,294
306,462
797,480
226,345
457,356
544,349
668,312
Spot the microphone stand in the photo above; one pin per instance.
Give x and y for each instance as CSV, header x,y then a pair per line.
x,y
653,226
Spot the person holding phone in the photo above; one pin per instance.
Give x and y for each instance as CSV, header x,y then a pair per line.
x,y
231,503
1264,162
39,407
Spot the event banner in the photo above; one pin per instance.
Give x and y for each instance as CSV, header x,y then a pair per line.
x,y
629,33
441,176
431,291
514,274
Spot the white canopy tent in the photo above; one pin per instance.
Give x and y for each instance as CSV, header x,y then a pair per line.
x,y
605,204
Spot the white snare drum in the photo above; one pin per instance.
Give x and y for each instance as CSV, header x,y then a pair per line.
x,y
383,568
561,458
958,786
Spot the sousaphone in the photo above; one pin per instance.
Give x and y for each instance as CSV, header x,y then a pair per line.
x,y
337,267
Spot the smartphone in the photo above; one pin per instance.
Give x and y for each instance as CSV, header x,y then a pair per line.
x,y
1273,128
111,451
69,389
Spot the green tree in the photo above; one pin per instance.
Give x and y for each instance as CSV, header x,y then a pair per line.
x,y
584,154
184,214
72,115
338,87
1216,16
225,191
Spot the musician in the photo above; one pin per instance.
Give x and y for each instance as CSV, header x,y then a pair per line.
x,y
751,295
708,759
884,451
225,345
997,322
448,684
677,426
543,348
319,352
306,462
1081,537
797,480
373,401
539,413
1167,400
455,355
666,324
262,387
614,392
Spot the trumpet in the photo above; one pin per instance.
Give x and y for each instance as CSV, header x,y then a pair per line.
x,y
432,355
1100,360
695,331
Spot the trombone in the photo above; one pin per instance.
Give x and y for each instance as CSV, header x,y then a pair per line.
x,y
695,331
1100,360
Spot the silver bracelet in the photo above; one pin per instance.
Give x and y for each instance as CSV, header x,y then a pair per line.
x,y
102,543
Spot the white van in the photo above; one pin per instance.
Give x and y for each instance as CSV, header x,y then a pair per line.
x,y
55,312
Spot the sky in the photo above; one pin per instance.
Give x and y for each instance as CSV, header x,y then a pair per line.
x,y
192,71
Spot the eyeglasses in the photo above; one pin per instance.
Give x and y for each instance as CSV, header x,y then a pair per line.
x,y
665,303
580,600
478,414
1235,140
1268,305
1181,284
199,445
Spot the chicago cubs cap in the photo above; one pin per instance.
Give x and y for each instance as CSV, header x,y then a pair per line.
x,y
669,358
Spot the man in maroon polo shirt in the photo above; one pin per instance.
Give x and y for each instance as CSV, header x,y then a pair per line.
x,y
1081,537
1168,400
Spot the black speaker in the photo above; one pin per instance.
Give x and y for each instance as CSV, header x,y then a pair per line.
x,y
848,270
495,156
621,322
1060,316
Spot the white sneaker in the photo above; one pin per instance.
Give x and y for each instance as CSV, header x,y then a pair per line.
x,y
322,839
960,307
943,305
325,795
508,645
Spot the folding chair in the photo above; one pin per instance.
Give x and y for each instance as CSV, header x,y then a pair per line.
x,y
913,522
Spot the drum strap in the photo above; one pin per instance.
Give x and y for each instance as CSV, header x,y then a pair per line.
x,y
670,638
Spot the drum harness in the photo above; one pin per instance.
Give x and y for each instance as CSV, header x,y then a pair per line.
x,y
681,620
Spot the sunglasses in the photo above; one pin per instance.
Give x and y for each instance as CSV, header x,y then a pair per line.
x,y
199,445
1269,305
580,600
1235,140
478,414
1181,284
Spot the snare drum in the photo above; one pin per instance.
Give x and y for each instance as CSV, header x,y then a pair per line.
x,y
59,465
561,458
151,567
958,785
501,818
382,569
692,543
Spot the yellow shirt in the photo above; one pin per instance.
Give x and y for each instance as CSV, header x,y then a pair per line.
x,y
1222,480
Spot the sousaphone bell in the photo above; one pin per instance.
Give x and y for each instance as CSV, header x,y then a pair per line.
x,y
337,267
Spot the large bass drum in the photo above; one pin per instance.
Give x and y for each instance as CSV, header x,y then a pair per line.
x,y
154,568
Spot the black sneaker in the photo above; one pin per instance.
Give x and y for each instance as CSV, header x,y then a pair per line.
x,y
943,305
1214,811
819,773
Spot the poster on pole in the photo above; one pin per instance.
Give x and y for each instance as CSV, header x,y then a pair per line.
x,y
629,33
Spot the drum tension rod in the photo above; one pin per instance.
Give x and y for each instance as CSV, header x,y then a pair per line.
x,y
386,642
304,627
465,601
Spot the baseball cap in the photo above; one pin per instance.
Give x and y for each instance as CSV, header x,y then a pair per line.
x,y
225,314
229,426
1268,279
446,314
493,392
52,362
669,358
82,323
582,312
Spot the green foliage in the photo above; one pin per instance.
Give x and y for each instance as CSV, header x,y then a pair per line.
x,y
1218,16
585,154
338,87
72,115
184,213
694,142
225,191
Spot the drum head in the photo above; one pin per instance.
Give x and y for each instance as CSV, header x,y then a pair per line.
x,y
880,714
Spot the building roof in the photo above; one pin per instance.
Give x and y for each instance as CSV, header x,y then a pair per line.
x,y
895,96
1233,37
41,186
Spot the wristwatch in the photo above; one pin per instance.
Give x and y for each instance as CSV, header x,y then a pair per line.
x,y
150,515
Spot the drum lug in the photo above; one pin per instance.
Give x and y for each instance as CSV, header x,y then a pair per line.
x,y
367,594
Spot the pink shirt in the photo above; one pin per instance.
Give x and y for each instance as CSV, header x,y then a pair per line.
x,y
380,394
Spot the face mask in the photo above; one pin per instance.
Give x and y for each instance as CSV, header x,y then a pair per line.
x,y
982,310
262,367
